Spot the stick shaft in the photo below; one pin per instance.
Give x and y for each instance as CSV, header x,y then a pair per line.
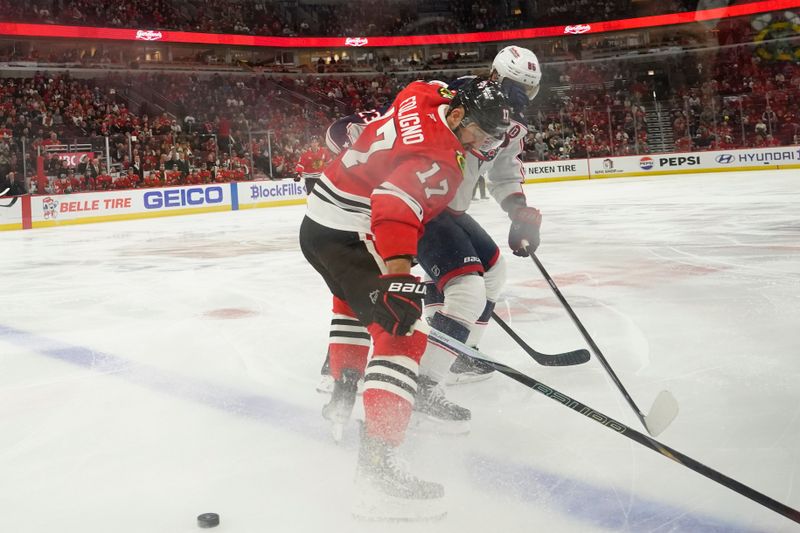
x,y
618,427
589,340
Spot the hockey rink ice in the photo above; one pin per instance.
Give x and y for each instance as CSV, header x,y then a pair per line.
x,y
154,370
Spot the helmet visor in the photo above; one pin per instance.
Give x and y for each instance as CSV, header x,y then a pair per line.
x,y
484,141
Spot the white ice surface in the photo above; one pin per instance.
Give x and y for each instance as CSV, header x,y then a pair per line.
x,y
154,370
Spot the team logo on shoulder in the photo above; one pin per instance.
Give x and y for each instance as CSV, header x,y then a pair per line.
x,y
461,160
489,155
446,93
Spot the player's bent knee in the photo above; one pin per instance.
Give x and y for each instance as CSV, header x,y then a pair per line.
x,y
411,346
495,279
465,298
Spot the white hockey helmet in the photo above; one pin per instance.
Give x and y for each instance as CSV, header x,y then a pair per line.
x,y
519,65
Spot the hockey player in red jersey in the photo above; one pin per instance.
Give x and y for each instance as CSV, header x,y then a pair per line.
x,y
464,263
311,163
363,221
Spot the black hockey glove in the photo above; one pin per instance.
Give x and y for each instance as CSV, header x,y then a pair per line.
x,y
398,305
524,232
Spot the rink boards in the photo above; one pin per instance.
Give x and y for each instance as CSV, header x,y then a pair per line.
x,y
43,211
785,157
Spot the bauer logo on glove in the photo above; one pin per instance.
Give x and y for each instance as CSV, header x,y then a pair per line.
x,y
398,305
407,287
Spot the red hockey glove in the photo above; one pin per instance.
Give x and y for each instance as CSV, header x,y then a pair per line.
x,y
398,305
524,232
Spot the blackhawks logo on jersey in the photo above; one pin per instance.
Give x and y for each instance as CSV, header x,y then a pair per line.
x,y
461,160
446,93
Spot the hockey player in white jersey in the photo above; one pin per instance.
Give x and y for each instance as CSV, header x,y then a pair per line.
x,y
466,268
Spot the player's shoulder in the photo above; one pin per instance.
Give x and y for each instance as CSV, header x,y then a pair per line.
x,y
460,82
436,91
517,130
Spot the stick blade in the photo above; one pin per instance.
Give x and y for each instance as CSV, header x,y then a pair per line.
x,y
575,357
663,412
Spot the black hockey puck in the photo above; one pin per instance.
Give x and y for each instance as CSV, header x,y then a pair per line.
x,y
207,520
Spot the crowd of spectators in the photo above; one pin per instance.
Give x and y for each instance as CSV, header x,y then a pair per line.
x,y
736,100
746,102
233,127
353,18
599,113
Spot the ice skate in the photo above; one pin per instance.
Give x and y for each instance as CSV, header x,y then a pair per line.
x,y
326,381
340,407
434,413
385,490
468,371
325,385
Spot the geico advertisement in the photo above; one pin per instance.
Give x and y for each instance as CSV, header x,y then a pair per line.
x,y
186,197
54,207
255,192
543,170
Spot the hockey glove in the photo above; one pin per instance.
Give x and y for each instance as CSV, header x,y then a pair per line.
x,y
398,305
524,232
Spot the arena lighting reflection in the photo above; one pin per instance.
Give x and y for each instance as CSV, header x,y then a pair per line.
x,y
167,36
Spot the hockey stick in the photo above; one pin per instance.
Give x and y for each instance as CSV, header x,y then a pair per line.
x,y
12,198
575,357
632,434
665,407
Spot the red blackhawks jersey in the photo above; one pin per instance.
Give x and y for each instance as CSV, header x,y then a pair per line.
x,y
312,162
401,172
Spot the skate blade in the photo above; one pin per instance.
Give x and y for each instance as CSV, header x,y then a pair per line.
x,y
374,506
325,386
337,424
422,423
464,379
337,431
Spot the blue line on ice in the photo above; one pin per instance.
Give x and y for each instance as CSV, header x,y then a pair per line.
x,y
578,499
596,505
